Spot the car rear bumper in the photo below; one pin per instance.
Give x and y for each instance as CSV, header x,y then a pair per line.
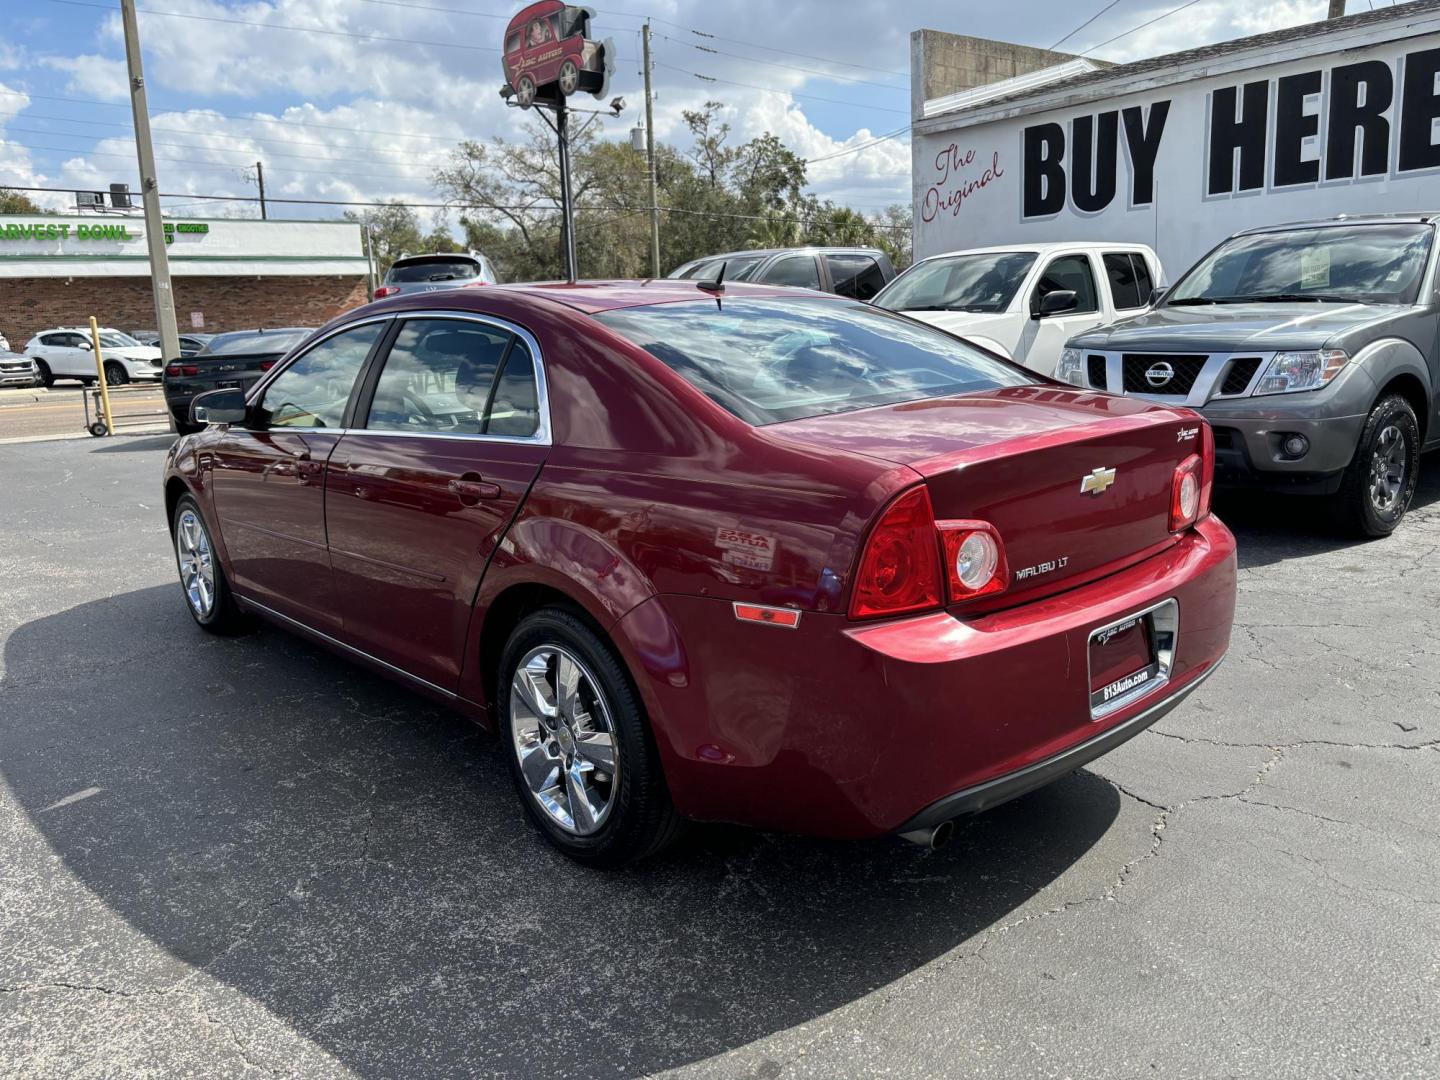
x,y
848,729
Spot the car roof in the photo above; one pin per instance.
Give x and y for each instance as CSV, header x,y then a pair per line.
x,y
1046,248
1412,218
594,296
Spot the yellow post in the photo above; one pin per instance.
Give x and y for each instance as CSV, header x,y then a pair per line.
x,y
100,371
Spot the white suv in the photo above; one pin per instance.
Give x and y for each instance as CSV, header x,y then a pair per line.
x,y
1000,297
66,353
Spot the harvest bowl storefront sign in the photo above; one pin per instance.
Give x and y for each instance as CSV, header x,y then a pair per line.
x,y
238,273
1181,151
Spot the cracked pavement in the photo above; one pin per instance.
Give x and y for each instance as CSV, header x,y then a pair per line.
x,y
248,858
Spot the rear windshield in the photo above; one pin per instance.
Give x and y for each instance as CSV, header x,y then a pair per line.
x,y
768,360
984,282
1372,264
432,271
278,342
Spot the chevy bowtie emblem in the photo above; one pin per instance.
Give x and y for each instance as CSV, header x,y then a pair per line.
x,y
1096,481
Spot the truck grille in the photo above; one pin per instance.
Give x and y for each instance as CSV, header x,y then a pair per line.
x,y
1239,376
1184,371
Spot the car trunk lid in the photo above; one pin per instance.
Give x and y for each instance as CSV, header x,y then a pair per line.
x,y
1076,484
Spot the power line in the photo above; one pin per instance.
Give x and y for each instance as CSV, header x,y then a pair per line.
x,y
1083,25
848,80
757,45
772,90
1142,26
856,149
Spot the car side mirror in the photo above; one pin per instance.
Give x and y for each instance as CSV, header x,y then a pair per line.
x,y
1156,294
1054,303
218,407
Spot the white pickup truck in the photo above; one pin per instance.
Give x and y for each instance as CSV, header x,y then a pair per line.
x,y
1025,301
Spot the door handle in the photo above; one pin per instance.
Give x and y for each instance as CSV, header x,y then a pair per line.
x,y
470,489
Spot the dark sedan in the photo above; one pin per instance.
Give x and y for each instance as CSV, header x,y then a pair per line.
x,y
744,554
232,360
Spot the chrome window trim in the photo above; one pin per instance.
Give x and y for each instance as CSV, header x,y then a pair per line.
x,y
542,434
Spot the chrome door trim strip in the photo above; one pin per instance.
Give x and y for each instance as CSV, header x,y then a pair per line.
x,y
361,653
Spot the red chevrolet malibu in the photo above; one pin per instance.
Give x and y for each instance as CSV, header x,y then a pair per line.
x,y
752,555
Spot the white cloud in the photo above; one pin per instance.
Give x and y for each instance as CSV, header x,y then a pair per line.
x,y
96,77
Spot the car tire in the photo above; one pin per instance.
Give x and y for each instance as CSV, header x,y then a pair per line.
x,y
525,91
115,373
1380,481
194,554
47,378
569,79
554,746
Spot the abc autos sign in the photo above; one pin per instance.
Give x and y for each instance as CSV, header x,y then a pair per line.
x,y
1181,168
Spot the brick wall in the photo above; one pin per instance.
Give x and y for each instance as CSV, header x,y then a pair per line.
x,y
30,305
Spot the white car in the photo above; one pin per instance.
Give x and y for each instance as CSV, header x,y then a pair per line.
x,y
66,353
1024,301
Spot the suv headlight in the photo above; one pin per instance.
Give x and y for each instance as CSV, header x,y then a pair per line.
x,y
1071,367
1292,371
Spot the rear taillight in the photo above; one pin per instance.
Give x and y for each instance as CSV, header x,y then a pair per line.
x,y
266,365
175,371
900,566
383,291
1193,484
974,559
1185,492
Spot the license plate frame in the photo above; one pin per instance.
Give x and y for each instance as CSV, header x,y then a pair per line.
x,y
229,384
1161,622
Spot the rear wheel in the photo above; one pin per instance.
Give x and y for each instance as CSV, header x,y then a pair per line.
x,y
569,78
42,369
202,578
578,745
115,373
1380,482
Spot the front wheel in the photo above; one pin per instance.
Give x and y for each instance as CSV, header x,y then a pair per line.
x,y
115,373
42,369
525,91
202,578
579,749
1380,481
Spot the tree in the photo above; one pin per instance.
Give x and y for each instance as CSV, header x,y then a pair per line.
x,y
894,233
17,202
709,152
394,230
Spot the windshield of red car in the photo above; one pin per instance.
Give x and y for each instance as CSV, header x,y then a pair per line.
x,y
775,359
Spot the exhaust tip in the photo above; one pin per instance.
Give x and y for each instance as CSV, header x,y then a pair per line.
x,y
933,838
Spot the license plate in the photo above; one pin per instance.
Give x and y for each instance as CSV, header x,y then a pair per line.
x,y
228,384
1126,658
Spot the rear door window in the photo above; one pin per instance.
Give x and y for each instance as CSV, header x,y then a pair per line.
x,y
1071,272
1129,279
797,270
438,377
858,276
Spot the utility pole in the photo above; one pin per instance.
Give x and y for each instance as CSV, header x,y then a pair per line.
x,y
1337,9
567,199
650,155
150,193
260,179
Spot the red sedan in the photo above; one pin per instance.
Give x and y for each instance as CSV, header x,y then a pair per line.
x,y
759,556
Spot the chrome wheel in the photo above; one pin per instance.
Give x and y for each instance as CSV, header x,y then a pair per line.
x,y
564,738
569,78
1389,469
197,563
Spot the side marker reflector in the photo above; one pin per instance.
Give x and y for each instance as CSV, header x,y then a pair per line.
x,y
769,616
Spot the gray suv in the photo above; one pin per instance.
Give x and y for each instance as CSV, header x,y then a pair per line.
x,y
1311,349
430,273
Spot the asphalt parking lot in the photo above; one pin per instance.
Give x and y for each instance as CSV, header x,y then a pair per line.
x,y
247,857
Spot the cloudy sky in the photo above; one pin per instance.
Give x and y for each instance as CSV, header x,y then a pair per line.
x,y
361,99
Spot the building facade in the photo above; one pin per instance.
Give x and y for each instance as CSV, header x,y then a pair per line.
x,y
1180,151
227,274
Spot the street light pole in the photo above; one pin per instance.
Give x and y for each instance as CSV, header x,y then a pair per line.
x,y
650,154
150,193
